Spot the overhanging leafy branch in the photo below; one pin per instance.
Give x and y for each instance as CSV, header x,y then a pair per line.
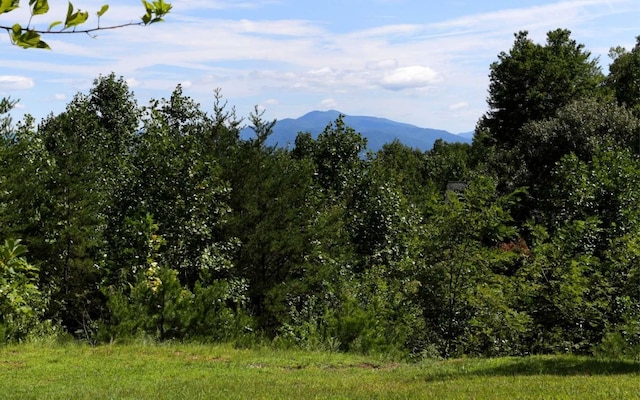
x,y
30,37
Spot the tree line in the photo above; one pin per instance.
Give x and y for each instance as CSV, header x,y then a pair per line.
x,y
160,221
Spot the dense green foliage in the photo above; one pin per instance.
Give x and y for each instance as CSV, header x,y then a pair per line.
x,y
20,300
624,76
161,221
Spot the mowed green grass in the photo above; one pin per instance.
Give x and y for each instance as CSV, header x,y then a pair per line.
x,y
177,371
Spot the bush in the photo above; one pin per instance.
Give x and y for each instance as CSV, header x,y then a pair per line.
x,y
21,302
159,306
622,340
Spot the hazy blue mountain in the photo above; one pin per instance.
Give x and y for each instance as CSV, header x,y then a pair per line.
x,y
378,131
468,135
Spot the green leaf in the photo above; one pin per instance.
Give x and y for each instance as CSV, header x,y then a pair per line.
x,y
155,11
69,13
25,309
40,7
53,24
43,45
31,39
103,10
147,6
16,29
8,5
161,8
75,19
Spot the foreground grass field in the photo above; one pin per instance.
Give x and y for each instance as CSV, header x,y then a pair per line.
x,y
141,371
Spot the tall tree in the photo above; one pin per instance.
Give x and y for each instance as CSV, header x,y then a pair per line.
x,y
70,234
59,195
532,81
337,154
404,167
272,205
466,290
177,180
6,105
624,76
447,162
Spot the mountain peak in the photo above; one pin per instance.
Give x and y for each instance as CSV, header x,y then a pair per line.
x,y
377,131
316,116
320,112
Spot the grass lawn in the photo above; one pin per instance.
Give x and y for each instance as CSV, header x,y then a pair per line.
x,y
177,371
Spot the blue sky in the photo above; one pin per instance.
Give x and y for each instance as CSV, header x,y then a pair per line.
x,y
420,62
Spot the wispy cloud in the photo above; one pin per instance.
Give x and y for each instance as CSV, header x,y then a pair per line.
x,y
220,5
458,106
328,104
257,50
295,28
560,13
14,82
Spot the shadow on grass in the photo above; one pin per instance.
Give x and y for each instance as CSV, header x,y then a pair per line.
x,y
531,366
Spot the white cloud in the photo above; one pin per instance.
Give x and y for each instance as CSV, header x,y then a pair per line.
x,y
411,77
541,18
132,82
328,103
60,96
254,51
391,30
458,106
322,72
15,82
382,64
219,5
267,104
279,27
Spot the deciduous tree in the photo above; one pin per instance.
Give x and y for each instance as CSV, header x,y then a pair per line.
x,y
624,76
532,81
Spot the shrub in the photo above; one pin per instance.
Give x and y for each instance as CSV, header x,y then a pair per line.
x,y
21,302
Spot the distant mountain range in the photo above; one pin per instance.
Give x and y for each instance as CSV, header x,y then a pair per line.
x,y
378,131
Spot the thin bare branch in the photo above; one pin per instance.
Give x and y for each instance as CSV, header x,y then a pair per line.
x,y
87,31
